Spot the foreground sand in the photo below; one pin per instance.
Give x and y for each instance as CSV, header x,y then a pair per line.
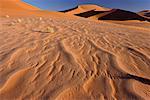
x,y
73,59
63,57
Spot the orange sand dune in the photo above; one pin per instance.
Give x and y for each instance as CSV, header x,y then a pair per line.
x,y
19,8
101,13
118,14
61,57
114,14
15,5
93,7
85,8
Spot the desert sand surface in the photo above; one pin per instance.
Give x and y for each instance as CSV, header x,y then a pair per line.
x,y
53,57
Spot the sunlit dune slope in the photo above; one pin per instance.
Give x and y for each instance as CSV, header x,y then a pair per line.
x,y
85,8
20,8
93,7
15,5
101,13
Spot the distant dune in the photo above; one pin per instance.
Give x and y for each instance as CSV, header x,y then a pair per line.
x,y
58,56
145,13
85,8
118,14
91,13
101,13
19,8
15,5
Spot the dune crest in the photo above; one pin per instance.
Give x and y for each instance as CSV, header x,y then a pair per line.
x,y
93,7
101,13
145,13
16,5
85,8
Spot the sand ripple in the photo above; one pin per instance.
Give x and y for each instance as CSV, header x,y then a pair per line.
x,y
73,59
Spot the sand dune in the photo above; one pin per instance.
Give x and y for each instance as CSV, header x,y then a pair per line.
x,y
145,13
101,13
18,8
85,8
117,14
16,5
55,57
89,7
91,13
132,23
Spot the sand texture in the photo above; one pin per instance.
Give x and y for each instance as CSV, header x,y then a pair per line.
x,y
71,58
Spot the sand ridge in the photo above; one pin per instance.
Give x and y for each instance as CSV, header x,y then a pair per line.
x,y
102,13
145,13
16,8
85,8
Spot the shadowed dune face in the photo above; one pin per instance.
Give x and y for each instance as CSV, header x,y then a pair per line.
x,y
65,58
68,10
101,13
90,13
145,13
117,14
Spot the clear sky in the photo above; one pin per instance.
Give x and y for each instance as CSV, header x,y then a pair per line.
x,y
58,5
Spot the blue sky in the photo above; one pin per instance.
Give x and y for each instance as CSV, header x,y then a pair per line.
x,y
58,5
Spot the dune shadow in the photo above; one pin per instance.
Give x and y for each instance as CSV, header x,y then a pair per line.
x,y
140,79
122,15
90,13
69,9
